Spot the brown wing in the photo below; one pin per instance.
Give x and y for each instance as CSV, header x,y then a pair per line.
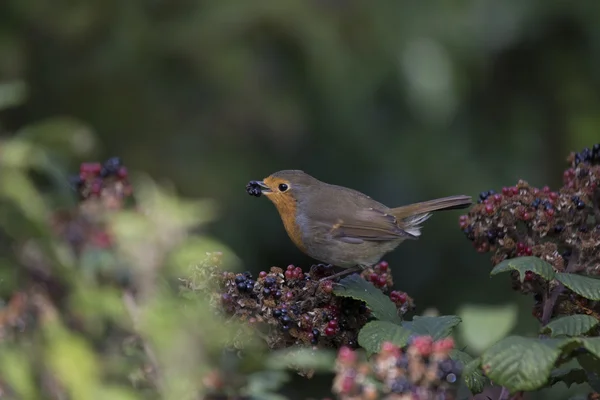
x,y
368,225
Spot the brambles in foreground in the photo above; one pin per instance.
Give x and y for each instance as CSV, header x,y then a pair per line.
x,y
299,308
422,370
560,227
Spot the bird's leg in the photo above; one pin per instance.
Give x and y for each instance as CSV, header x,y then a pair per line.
x,y
342,273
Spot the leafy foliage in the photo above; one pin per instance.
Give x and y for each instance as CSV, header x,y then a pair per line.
x,y
571,325
357,288
524,264
373,334
583,285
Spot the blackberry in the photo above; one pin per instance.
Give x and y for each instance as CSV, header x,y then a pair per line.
x,y
76,182
491,236
240,279
558,228
285,319
253,189
580,205
249,285
241,286
277,313
401,385
402,362
266,292
269,281
110,167
451,378
536,203
277,294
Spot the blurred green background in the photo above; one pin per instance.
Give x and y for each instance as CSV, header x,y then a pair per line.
x,y
403,100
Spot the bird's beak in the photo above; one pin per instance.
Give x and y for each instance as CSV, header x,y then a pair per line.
x,y
256,188
263,187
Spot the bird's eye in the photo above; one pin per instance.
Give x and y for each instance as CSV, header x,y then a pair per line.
x,y
283,187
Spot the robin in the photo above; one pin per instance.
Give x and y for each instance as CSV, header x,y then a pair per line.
x,y
341,226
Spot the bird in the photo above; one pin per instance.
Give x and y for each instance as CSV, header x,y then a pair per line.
x,y
340,226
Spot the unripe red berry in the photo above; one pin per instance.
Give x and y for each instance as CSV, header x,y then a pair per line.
x,y
381,281
489,208
329,331
328,287
290,267
546,189
402,298
373,277
497,198
383,266
506,191
514,190
122,173
346,355
262,274
553,196
288,275
550,212
333,324
529,276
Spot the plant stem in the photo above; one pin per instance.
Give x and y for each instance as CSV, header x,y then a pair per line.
x,y
550,301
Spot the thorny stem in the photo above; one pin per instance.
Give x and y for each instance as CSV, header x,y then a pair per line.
x,y
550,302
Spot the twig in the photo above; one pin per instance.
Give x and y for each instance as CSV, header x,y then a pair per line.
x,y
550,302
504,394
134,313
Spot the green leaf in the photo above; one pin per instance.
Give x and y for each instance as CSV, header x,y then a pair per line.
x,y
521,363
592,345
524,264
373,334
302,358
483,326
582,285
436,327
572,325
471,374
573,376
357,288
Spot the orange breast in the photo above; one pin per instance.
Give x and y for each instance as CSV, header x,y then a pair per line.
x,y
287,210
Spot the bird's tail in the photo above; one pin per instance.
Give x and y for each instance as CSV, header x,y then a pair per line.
x,y
410,217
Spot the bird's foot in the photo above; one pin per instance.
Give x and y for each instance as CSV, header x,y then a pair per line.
x,y
342,273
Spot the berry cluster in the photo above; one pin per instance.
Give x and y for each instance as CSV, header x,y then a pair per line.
x,y
253,189
379,276
422,370
561,226
299,307
93,178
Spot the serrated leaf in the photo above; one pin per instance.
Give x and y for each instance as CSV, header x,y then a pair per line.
x,y
524,264
592,345
373,334
484,325
572,325
582,285
302,358
520,363
471,374
436,327
572,376
357,288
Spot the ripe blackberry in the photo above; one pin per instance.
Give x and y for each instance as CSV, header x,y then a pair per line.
x,y
253,189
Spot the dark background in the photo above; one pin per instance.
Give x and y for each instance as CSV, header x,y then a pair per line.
x,y
403,100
